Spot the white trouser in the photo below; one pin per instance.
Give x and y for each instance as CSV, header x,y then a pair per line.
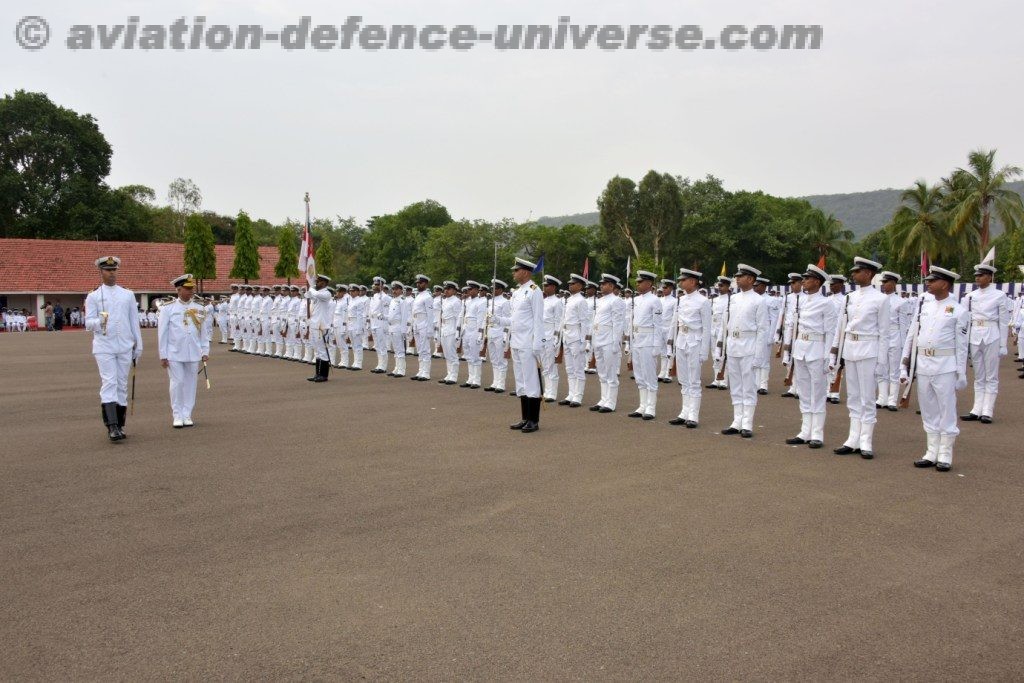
x,y
985,359
222,322
608,360
936,396
499,364
381,343
688,364
183,375
114,369
474,363
742,377
764,371
396,340
889,387
527,375
424,346
575,370
810,379
548,355
450,349
645,367
319,344
860,390
357,350
341,344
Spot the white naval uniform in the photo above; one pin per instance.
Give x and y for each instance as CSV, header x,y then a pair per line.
x,y
397,318
606,340
773,305
526,337
691,328
892,346
1018,323
554,310
668,309
378,312
839,301
941,371
222,321
867,328
183,340
499,308
474,313
576,324
990,317
786,320
646,345
339,331
423,329
355,323
116,343
745,329
718,308
808,337
320,320
233,320
451,318
267,323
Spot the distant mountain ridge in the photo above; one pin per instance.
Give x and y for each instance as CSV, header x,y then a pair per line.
x,y
861,212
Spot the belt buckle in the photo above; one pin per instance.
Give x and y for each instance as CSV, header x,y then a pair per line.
x,y
804,337
735,334
929,352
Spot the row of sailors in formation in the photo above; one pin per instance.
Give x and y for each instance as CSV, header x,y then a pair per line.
x,y
876,337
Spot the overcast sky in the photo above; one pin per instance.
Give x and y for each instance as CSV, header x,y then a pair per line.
x,y
898,91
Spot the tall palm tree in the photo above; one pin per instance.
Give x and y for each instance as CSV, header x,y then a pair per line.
x,y
826,234
979,191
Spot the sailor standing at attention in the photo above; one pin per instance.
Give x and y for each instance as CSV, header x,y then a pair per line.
x,y
423,326
723,287
554,310
378,312
499,308
937,342
646,343
864,326
576,322
451,319
473,317
606,342
526,328
669,301
397,318
112,315
990,316
742,348
892,346
691,328
320,319
183,337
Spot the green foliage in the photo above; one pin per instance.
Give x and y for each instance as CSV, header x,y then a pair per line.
x,y
979,193
618,207
565,249
287,253
325,259
826,235
659,212
200,254
247,256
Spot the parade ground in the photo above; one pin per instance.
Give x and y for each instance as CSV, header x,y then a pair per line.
x,y
379,528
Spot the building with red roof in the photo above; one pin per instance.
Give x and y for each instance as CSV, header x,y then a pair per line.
x,y
33,272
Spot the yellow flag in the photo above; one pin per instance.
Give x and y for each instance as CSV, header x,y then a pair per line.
x,y
723,269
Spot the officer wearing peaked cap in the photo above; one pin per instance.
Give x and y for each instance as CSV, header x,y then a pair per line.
x,y
719,305
863,325
646,343
892,346
451,318
577,319
606,340
743,348
936,353
990,317
691,329
474,316
112,315
380,303
837,295
526,326
320,319
499,311
786,317
184,343
422,320
554,311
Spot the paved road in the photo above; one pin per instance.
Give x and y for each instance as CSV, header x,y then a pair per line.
x,y
386,529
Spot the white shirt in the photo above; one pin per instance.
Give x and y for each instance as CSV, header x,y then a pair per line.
x,y
745,323
451,314
526,318
647,328
576,319
692,327
502,309
423,311
990,315
183,333
867,324
942,325
810,335
121,332
321,308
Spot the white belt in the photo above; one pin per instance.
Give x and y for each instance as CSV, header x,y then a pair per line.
x,y
419,316
686,329
937,353
644,330
811,336
855,336
981,322
742,334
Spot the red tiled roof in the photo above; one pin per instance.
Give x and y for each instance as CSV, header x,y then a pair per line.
x,y
41,266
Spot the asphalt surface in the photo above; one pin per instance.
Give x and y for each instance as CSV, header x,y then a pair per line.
x,y
379,528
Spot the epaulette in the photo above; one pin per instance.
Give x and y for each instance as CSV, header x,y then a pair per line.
x,y
533,285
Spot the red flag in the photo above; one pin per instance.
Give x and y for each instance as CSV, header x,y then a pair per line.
x,y
924,263
307,262
586,269
821,262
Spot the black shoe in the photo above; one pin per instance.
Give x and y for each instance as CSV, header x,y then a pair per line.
x,y
985,420
648,417
710,386
122,412
499,391
867,455
970,417
677,421
845,450
691,424
415,378
488,388
474,386
594,409
878,406
530,427
518,425
606,410
723,388
788,394
923,462
524,414
511,393
892,409
636,414
729,431
814,444
942,467
746,433
442,381
796,441
563,402
464,385
391,374
762,392
109,412
574,404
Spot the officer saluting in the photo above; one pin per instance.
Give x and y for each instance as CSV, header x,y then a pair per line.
x,y
937,345
112,315
526,324
183,338
321,314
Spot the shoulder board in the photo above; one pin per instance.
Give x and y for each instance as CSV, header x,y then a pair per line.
x,y
533,285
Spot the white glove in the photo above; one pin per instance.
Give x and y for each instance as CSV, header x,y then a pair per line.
x,y
881,371
832,363
961,381
786,360
904,375
1003,351
136,354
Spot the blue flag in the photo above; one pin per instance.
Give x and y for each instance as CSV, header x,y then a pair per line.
x,y
540,265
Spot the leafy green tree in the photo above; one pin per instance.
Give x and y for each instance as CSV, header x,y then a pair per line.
x,y
659,204
200,251
618,206
247,255
565,249
826,235
185,198
325,259
287,265
921,224
980,191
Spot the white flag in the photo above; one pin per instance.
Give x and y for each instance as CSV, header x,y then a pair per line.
x,y
990,257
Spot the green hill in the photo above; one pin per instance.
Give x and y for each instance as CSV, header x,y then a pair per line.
x,y
861,212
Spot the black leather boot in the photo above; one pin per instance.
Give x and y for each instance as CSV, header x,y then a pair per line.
x,y
325,370
532,415
316,373
122,412
110,420
523,414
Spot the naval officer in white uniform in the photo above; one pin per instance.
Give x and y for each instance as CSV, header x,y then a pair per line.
x,y
183,338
